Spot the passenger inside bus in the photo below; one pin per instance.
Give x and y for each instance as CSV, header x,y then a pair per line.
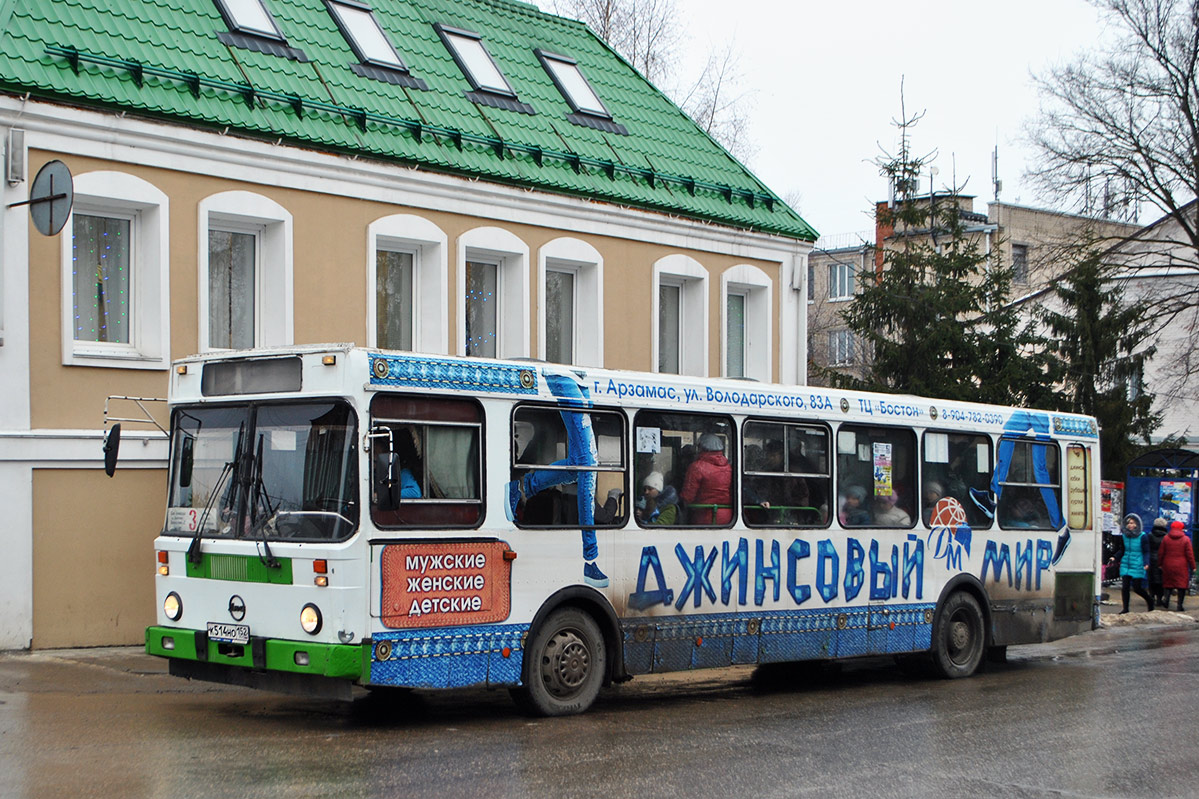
x,y
853,508
659,503
707,487
407,447
888,514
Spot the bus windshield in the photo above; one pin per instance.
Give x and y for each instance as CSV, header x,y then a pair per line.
x,y
271,471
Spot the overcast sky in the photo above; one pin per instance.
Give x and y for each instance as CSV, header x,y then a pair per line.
x,y
824,83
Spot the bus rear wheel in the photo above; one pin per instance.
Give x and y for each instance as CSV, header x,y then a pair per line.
x,y
564,665
959,636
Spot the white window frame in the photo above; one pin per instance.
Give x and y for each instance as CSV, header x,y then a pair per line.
x,y
430,268
242,25
502,247
835,340
758,289
688,273
838,282
568,254
244,212
120,195
344,13
571,82
466,47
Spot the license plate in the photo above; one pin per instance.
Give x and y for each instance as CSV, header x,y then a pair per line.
x,y
228,633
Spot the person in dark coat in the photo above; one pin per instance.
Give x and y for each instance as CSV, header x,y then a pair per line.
x,y
1132,552
1177,558
1156,536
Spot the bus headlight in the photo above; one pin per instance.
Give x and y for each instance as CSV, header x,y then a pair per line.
x,y
172,606
310,619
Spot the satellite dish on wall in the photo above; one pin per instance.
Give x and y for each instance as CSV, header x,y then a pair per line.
x,y
50,198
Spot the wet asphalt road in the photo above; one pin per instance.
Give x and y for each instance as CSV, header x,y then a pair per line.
x,y
1108,714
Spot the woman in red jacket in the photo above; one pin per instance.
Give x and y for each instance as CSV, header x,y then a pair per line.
x,y
709,481
1177,559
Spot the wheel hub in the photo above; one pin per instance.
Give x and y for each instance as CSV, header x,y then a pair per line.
x,y
565,664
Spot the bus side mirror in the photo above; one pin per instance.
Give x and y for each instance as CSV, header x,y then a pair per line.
x,y
112,443
186,460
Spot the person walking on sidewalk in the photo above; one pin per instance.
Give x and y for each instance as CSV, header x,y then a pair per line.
x,y
1177,557
1156,536
1132,552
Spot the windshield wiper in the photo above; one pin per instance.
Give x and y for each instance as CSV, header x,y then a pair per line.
x,y
261,496
194,555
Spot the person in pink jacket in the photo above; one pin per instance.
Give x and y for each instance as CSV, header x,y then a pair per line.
x,y
1176,556
709,481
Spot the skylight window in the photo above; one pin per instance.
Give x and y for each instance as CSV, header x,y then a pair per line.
x,y
474,61
249,16
362,30
574,87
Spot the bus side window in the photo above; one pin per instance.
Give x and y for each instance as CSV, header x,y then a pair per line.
x,y
1030,486
683,473
785,480
956,480
426,462
568,467
876,470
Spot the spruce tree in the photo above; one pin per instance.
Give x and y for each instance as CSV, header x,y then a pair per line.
x,y
1102,343
936,319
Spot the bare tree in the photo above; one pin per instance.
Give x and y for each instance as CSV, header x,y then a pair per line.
x,y
718,104
647,33
1121,127
644,32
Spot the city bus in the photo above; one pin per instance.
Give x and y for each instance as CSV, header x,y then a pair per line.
x,y
342,518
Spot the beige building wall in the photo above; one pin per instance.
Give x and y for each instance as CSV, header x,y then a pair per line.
x,y
330,287
93,555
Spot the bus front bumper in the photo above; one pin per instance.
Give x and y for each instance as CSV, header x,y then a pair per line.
x,y
270,663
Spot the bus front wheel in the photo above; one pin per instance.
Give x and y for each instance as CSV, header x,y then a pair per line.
x,y
960,636
564,665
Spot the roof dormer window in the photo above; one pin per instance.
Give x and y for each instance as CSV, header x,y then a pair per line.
x,y
252,27
250,16
570,81
589,110
366,37
489,84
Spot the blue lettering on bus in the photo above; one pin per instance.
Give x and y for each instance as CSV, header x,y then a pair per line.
x,y
887,580
738,564
641,598
855,575
913,563
697,575
882,574
762,573
795,553
1027,572
828,570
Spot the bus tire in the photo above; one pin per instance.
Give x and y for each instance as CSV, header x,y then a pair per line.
x,y
564,665
959,636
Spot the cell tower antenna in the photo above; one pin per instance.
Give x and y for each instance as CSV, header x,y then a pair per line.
x,y
995,181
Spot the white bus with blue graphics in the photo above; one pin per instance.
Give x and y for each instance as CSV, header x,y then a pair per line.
x,y
341,517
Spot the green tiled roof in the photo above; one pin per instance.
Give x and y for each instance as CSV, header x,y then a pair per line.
x,y
163,58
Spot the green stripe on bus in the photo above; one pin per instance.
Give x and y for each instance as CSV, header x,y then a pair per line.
x,y
240,568
327,660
